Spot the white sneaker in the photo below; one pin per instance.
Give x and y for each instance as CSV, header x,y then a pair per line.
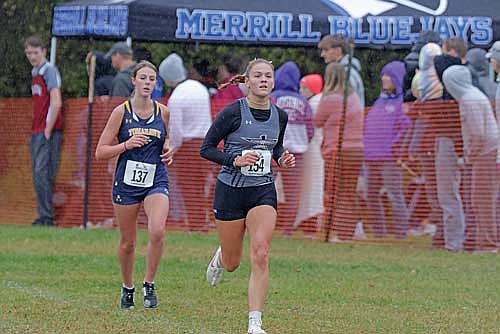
x,y
214,272
255,327
415,232
430,229
359,233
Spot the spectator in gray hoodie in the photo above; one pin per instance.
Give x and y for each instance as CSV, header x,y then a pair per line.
x,y
445,120
494,56
335,48
478,63
481,142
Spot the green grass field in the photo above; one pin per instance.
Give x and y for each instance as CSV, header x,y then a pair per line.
x,y
68,281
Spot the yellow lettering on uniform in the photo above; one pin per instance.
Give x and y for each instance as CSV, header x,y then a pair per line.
x,y
145,132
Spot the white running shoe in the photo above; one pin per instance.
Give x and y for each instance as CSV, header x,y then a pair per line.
x,y
430,229
214,272
359,233
255,327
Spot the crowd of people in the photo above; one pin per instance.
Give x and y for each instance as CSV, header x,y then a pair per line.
x,y
272,141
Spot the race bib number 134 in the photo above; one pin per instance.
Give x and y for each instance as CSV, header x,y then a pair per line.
x,y
261,167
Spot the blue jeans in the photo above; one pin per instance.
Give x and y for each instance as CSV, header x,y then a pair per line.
x,y
44,162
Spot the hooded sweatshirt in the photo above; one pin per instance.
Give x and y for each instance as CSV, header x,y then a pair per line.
x,y
300,128
429,86
411,60
478,64
355,77
172,68
386,122
497,99
479,127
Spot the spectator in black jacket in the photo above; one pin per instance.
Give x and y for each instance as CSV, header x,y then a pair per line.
x,y
104,73
441,63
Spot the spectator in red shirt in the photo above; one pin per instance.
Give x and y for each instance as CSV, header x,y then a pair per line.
x,y
231,67
46,130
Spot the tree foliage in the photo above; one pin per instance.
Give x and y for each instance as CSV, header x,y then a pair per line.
x,y
22,18
19,19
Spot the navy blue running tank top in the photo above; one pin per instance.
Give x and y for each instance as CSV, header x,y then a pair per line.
x,y
141,168
252,135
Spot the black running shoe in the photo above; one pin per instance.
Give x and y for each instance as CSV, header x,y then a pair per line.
x,y
49,223
38,222
150,300
127,300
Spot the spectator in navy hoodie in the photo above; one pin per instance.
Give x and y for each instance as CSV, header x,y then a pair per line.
x,y
298,134
385,126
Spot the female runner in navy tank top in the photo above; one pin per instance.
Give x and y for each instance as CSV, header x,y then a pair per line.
x,y
140,125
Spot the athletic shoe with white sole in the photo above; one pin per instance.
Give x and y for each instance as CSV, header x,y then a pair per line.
x,y
255,327
150,299
214,271
359,232
127,298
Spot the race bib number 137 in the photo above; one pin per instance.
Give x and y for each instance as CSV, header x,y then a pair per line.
x,y
261,167
139,174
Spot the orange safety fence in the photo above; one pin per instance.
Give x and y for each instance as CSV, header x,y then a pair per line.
x,y
303,193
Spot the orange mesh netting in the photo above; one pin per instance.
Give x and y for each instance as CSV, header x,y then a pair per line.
x,y
316,196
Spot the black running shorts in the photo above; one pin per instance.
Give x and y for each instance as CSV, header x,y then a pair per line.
x,y
232,203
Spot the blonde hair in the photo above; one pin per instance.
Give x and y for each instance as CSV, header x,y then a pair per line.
x,y
240,78
142,64
335,78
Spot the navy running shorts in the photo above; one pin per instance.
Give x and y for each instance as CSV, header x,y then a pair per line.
x,y
127,198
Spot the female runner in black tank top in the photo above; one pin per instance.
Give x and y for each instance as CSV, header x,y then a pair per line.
x,y
239,202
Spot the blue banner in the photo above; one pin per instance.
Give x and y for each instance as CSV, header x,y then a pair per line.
x,y
90,20
371,23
